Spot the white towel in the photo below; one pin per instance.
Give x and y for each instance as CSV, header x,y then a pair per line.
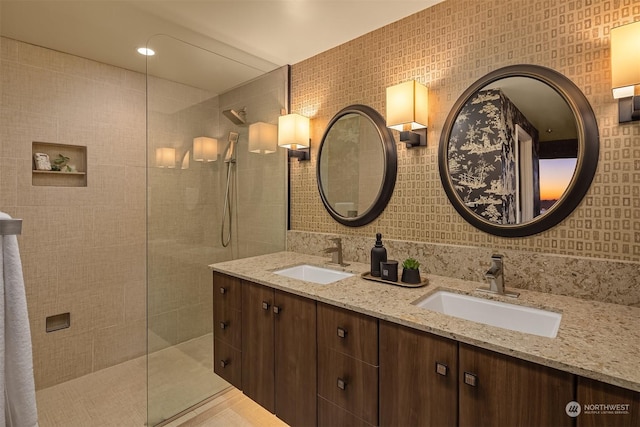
x,y
16,360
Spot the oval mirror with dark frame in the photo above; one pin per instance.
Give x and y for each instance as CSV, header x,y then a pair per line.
x,y
518,151
357,166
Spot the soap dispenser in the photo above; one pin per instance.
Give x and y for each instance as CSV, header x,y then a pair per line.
x,y
378,254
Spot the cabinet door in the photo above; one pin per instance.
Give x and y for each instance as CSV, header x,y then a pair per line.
x,y
626,411
498,390
295,359
418,378
257,344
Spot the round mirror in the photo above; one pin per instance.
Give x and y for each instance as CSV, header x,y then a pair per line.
x,y
357,166
518,151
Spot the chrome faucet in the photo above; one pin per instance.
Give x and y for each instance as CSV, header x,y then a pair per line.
x,y
336,252
495,277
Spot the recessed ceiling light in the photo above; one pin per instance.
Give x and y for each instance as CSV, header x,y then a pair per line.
x,y
145,51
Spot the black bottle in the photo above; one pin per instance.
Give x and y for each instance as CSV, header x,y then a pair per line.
x,y
378,254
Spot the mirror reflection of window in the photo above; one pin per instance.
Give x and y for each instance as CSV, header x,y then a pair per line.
x,y
555,176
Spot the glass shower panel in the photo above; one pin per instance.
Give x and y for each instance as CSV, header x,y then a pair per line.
x,y
188,88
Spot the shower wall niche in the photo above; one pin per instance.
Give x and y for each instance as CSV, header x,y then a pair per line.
x,y
74,171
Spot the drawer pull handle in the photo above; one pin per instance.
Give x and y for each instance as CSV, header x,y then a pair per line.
x,y
342,333
342,384
276,309
223,325
470,379
442,369
224,363
223,290
265,305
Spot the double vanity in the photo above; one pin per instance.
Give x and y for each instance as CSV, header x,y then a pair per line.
x,y
318,345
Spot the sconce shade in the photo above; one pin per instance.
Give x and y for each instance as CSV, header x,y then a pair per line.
x,y
263,138
166,157
293,131
205,149
625,59
407,104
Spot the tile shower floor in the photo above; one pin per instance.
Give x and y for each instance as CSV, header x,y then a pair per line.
x,y
117,396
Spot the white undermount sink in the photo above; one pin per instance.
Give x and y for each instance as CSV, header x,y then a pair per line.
x,y
494,313
311,273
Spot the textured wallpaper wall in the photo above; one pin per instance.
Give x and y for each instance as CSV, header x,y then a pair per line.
x,y
448,47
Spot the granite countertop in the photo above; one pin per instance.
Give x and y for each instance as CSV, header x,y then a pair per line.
x,y
595,340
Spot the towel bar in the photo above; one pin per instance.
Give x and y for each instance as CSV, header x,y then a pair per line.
x,y
10,226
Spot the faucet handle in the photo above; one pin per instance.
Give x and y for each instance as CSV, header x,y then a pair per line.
x,y
337,240
497,256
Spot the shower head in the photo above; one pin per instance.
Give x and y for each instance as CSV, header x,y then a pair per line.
x,y
237,117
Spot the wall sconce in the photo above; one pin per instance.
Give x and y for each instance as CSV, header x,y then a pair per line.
x,y
186,160
205,149
166,157
408,112
293,134
263,138
625,70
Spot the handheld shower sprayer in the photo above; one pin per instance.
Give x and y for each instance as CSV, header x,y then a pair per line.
x,y
230,156
229,160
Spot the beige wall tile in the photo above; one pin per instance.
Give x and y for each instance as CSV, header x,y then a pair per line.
x,y
118,344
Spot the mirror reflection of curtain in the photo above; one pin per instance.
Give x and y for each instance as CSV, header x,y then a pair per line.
x,y
483,161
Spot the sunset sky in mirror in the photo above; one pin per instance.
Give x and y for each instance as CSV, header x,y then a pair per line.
x,y
555,175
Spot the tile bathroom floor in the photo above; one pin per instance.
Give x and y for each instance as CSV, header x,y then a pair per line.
x,y
117,396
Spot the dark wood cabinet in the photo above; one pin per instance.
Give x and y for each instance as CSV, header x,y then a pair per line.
x,y
347,368
499,390
257,344
227,327
418,378
623,408
317,364
279,353
295,359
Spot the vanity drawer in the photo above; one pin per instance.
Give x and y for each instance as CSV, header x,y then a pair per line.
x,y
227,362
227,326
334,416
347,332
227,291
349,383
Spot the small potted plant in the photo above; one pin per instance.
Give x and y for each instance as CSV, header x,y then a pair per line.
x,y
60,164
410,272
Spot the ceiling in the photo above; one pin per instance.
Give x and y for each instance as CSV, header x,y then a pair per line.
x,y
248,37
